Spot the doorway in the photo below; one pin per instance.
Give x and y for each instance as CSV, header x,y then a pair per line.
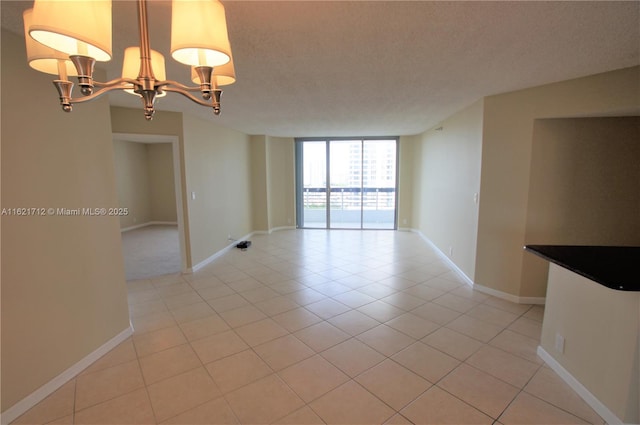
x,y
149,186
346,183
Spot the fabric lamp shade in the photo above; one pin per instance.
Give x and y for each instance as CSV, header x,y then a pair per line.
x,y
223,74
199,34
74,27
43,58
131,66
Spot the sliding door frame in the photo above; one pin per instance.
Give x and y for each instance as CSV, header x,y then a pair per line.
x,y
299,178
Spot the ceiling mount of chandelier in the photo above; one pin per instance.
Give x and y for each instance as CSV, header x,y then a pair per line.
x,y
66,38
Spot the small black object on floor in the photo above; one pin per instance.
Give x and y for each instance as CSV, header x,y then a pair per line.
x,y
243,245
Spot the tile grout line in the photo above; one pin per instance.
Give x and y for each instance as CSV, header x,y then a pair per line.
x,y
521,390
355,336
146,386
75,390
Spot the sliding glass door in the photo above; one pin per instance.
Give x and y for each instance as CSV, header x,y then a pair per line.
x,y
346,183
311,187
379,184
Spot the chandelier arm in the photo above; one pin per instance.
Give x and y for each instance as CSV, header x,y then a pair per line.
x,y
206,90
177,85
117,82
188,95
213,102
116,85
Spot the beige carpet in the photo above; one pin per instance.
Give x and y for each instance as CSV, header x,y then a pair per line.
x,y
151,251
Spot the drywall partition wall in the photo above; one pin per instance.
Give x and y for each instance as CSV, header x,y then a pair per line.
x,y
584,187
162,193
63,288
406,153
448,183
417,183
259,198
602,341
132,182
219,177
506,163
280,181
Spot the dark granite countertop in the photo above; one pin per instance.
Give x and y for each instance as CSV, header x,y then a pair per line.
x,y
616,267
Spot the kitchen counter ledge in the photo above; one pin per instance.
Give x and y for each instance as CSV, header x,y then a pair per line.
x,y
615,267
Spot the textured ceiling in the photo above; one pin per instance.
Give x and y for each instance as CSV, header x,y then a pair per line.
x,y
343,68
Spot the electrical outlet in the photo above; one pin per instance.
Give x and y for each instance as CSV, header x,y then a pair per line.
x,y
450,251
559,343
404,221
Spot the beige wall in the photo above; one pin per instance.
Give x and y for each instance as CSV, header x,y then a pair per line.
x,y
280,182
162,192
584,187
215,164
406,153
145,182
601,331
132,182
218,171
445,183
63,288
506,164
259,199
272,182
417,184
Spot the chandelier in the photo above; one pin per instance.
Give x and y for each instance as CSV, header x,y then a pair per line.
x,y
67,37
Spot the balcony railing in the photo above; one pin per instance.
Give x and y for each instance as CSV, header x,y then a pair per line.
x,y
350,207
349,198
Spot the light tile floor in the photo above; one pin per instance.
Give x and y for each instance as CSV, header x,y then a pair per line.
x,y
311,326
151,251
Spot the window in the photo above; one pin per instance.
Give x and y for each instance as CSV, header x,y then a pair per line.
x,y
346,183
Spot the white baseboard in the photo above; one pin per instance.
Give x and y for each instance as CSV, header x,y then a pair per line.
x,y
447,260
489,291
137,226
509,297
41,393
277,229
273,229
602,410
149,223
217,254
226,249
